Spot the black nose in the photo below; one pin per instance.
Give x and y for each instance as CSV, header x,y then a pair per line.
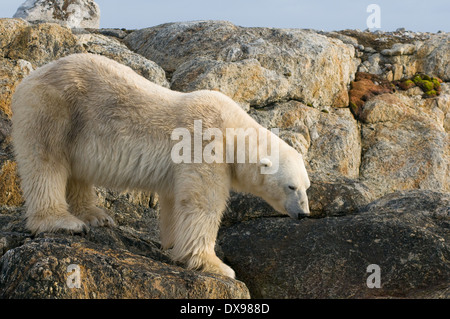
x,y
301,216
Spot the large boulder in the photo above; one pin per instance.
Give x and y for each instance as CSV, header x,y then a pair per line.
x,y
337,196
288,63
121,262
405,144
71,13
116,50
41,43
104,272
246,81
435,56
405,234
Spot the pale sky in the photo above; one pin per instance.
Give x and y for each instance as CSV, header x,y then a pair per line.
x,y
328,15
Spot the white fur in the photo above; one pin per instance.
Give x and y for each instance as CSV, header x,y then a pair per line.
x,y
86,120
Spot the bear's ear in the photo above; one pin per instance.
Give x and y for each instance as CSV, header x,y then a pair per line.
x,y
266,162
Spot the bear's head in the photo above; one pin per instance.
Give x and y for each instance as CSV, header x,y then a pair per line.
x,y
285,187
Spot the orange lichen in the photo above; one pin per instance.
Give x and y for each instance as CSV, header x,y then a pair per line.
x,y
364,88
11,193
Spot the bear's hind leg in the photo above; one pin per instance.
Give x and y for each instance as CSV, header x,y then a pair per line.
x,y
44,190
82,204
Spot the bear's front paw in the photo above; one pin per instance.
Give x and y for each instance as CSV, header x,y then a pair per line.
x,y
226,270
214,265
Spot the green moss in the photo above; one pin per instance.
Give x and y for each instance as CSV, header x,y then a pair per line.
x,y
436,83
430,93
417,79
427,85
430,86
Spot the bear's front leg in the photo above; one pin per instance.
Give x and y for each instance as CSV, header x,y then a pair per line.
x,y
195,228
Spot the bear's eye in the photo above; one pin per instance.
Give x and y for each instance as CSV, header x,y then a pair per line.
x,y
292,187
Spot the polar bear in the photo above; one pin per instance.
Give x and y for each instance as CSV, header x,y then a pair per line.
x,y
86,120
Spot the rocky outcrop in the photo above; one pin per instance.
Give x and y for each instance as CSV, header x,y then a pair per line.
x,y
400,54
110,263
104,273
254,66
246,81
71,13
376,148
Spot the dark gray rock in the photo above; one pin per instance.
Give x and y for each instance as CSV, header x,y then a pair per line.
x,y
330,196
333,196
406,234
243,207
